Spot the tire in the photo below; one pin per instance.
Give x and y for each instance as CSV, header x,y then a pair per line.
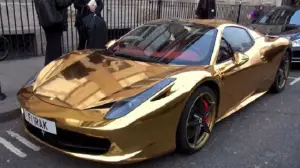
x,y
189,122
282,72
4,48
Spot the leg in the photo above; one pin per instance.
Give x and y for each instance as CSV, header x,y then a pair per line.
x,y
53,48
82,39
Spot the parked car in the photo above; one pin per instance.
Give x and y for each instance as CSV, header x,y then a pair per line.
x,y
282,21
160,87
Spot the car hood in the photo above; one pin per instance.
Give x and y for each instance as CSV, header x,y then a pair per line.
x,y
83,80
282,31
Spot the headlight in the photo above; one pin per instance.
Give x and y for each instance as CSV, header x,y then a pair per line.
x,y
125,106
30,81
296,43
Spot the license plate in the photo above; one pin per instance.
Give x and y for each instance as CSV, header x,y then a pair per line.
x,y
41,123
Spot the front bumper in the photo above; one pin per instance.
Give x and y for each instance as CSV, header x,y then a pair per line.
x,y
81,133
129,158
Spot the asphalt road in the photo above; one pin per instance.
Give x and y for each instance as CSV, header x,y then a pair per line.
x,y
265,134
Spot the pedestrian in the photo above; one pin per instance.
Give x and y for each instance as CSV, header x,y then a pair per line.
x,y
53,17
257,13
206,9
85,8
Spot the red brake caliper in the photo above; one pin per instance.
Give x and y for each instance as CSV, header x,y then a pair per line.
x,y
205,108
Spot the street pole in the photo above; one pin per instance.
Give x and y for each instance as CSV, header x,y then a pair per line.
x,y
2,95
159,8
239,12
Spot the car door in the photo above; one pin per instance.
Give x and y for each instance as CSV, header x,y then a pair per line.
x,y
240,82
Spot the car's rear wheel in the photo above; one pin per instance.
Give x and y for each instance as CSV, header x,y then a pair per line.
x,y
197,120
282,74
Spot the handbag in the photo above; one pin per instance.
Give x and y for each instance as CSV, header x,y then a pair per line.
x,y
47,13
97,31
87,25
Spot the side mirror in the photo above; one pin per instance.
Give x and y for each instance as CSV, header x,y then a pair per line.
x,y
110,43
240,59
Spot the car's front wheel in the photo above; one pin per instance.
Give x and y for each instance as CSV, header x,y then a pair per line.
x,y
197,120
282,74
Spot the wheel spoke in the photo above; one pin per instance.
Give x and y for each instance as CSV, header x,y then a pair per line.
x,y
193,123
197,117
197,133
205,127
281,72
206,113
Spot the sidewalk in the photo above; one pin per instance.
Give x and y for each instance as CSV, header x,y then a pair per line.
x,y
13,74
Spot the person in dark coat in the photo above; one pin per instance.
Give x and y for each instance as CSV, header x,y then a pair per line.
x,y
54,32
83,10
206,9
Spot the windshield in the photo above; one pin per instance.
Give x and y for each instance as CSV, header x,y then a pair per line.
x,y
167,42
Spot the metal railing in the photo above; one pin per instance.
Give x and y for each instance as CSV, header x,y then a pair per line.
x,y
19,23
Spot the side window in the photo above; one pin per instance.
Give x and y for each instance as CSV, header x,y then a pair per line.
x,y
238,38
275,17
283,17
267,18
225,52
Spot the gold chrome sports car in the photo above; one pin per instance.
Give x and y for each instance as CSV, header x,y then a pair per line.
x,y
160,87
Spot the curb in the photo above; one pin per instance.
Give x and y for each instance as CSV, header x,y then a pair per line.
x,y
10,115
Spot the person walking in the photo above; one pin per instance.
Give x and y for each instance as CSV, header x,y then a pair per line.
x,y
206,9
85,8
53,17
257,13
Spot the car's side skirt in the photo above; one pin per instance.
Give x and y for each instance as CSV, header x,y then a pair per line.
x,y
241,105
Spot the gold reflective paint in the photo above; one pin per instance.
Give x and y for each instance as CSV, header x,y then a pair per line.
x,y
69,90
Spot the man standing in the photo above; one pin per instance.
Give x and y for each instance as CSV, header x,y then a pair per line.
x,y
85,8
206,9
53,17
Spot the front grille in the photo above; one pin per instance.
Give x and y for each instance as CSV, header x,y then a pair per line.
x,y
71,141
296,54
